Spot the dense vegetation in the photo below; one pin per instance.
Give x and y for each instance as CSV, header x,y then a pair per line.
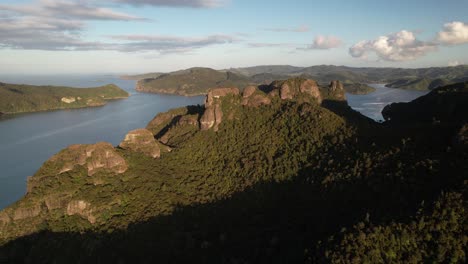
x,y
289,182
194,81
16,98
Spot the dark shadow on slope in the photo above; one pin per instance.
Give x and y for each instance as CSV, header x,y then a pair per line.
x,y
191,110
269,223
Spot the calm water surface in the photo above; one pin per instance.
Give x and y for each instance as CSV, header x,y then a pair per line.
x,y
28,140
371,105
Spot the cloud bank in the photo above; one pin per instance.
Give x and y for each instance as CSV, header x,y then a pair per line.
x,y
400,46
454,33
325,42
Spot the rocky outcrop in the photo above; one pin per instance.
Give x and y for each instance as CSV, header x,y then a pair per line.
x,y
213,114
253,98
337,91
81,208
4,218
296,88
311,88
56,201
96,157
26,212
248,91
68,100
142,141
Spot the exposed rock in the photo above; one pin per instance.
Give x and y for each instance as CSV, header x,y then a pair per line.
x,y
311,87
161,118
81,208
256,100
296,88
4,218
285,92
188,120
273,93
141,140
337,91
94,157
248,91
207,121
26,212
218,116
55,202
68,100
213,114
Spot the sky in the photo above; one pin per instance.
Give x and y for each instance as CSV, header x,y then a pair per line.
x,y
137,36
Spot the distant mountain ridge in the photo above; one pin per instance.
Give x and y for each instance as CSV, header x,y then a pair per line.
x,y
184,82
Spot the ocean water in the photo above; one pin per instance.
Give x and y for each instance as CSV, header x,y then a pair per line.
x,y
28,140
372,104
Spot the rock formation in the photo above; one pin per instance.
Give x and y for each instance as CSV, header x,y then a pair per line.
x,y
100,156
81,208
68,100
141,140
295,89
26,212
253,98
213,114
337,91
248,91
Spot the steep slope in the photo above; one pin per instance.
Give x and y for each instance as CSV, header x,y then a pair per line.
x,y
260,176
194,81
444,103
15,98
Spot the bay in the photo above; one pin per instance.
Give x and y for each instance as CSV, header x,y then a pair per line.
x,y
28,140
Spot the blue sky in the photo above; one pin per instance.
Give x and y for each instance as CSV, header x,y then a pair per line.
x,y
134,36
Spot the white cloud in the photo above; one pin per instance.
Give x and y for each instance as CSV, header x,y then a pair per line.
x,y
454,33
400,46
67,10
325,42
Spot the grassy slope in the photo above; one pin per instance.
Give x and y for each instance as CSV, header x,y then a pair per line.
x,y
266,188
15,98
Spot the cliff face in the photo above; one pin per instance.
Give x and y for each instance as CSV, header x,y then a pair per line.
x,y
141,140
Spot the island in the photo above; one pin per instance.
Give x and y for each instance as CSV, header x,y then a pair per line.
x,y
22,98
283,173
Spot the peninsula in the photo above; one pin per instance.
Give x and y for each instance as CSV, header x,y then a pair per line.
x,y
21,98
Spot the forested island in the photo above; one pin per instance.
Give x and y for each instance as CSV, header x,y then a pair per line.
x,y
22,98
